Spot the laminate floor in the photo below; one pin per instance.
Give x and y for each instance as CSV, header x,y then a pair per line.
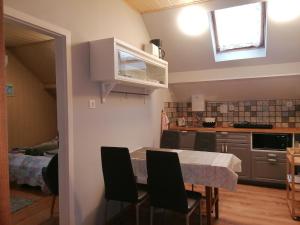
x,y
38,213
250,205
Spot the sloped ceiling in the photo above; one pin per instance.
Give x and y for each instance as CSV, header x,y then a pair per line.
x,y
39,58
16,35
244,89
33,49
185,53
144,6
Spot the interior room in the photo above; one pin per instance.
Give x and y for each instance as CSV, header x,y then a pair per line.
x,y
31,120
165,112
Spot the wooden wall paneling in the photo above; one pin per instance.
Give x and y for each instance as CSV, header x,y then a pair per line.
x,y
145,6
32,110
4,177
16,35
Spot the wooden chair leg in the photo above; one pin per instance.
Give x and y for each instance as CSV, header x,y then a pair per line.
x,y
187,220
200,218
216,193
53,204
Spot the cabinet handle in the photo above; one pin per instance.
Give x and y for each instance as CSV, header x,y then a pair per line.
x,y
226,148
272,155
272,160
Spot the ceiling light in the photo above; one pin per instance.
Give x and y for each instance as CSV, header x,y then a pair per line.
x,y
283,10
193,20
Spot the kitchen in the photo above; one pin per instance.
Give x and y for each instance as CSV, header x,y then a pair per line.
x,y
136,64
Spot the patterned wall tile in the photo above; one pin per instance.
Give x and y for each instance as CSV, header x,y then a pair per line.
x,y
279,112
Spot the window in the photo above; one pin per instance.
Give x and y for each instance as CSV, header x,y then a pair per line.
x,y
239,28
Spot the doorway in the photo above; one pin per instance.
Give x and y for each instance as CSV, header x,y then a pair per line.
x,y
62,47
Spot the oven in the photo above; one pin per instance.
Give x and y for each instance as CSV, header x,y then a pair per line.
x,y
271,141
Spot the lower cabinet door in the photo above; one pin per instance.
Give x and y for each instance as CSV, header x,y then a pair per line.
x,y
264,170
244,155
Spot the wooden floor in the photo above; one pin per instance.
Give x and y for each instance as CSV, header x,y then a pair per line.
x,y
37,213
250,205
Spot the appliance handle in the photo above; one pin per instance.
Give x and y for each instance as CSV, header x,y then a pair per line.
x,y
272,160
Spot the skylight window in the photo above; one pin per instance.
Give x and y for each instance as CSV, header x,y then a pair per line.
x,y
240,27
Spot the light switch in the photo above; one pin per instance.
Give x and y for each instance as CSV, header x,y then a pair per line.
x,y
92,104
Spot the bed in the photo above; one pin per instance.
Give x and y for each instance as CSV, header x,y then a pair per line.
x,y
27,169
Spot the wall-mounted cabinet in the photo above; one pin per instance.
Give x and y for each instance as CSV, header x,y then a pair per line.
x,y
114,63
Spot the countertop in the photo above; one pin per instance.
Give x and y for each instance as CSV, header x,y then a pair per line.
x,y
232,129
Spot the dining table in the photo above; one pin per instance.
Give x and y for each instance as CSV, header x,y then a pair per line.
x,y
213,170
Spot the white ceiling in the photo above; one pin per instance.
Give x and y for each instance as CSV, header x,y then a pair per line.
x,y
185,53
286,87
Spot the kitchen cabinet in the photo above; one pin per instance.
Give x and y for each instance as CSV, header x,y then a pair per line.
x,y
269,166
118,65
238,144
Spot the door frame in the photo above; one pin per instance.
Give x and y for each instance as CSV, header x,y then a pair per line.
x,y
63,62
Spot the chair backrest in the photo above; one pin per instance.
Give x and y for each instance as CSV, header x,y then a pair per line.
x,y
205,141
170,139
187,140
119,180
165,182
50,175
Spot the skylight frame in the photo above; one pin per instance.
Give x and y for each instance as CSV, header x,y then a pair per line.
x,y
262,36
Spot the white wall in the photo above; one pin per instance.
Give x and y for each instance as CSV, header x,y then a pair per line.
x,y
284,87
123,121
241,72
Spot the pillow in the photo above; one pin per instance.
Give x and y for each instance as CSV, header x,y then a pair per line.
x,y
47,146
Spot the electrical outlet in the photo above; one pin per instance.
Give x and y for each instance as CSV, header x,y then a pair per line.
x,y
92,104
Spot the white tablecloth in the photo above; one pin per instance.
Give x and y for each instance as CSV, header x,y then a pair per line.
x,y
206,168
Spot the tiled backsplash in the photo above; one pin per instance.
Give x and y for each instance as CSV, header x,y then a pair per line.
x,y
279,113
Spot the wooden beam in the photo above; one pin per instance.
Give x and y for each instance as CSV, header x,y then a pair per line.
x,y
4,177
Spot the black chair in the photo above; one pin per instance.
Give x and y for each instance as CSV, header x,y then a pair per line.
x,y
50,176
119,180
166,187
187,140
170,139
205,141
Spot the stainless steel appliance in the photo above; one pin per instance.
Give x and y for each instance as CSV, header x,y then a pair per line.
x,y
158,43
271,141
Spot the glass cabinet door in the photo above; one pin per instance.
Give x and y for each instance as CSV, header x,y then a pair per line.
x,y
130,66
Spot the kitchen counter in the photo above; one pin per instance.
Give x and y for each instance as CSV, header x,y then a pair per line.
x,y
232,129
